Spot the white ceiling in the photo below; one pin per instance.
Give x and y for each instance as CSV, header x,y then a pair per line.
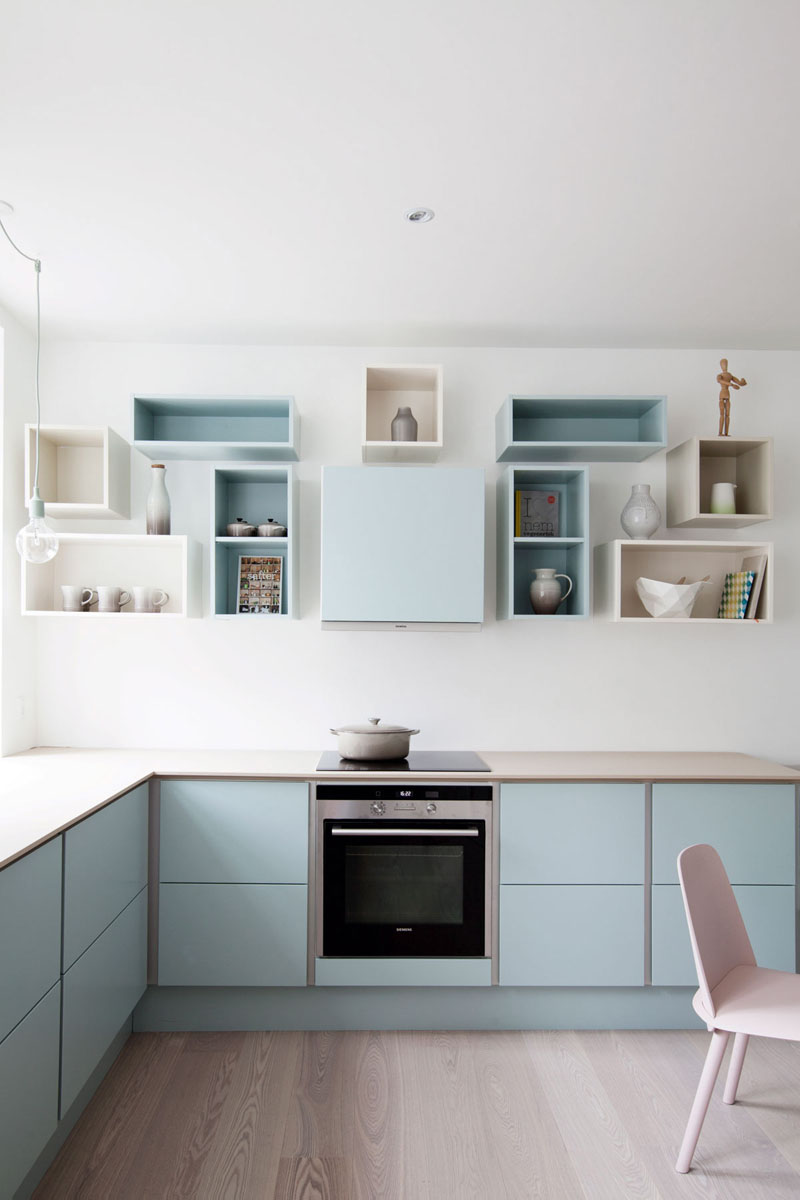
x,y
604,172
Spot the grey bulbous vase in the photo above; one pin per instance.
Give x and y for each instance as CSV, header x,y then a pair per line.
x,y
404,425
641,516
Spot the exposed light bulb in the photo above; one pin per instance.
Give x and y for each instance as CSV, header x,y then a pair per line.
x,y
36,542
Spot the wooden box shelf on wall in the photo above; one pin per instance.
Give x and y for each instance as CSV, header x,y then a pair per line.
x,y
385,390
123,560
698,463
518,557
581,428
619,564
84,471
222,427
257,493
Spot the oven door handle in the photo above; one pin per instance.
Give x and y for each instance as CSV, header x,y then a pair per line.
x,y
409,833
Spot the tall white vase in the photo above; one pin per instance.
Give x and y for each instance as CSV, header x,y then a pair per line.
x,y
641,516
158,508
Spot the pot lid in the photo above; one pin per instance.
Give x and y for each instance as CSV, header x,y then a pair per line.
x,y
375,726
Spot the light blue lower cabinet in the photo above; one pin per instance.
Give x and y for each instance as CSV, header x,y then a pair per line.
x,y
768,912
571,936
28,1090
30,932
101,990
403,972
232,935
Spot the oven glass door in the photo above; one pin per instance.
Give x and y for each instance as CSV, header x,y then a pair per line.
x,y
404,888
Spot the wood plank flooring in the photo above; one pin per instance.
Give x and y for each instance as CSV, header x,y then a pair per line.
x,y
429,1116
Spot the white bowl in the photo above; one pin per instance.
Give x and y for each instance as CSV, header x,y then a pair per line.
x,y
663,599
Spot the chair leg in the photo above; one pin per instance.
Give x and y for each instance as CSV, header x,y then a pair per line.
x,y
735,1069
719,1040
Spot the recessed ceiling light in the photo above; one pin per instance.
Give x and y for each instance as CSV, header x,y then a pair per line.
x,y
417,216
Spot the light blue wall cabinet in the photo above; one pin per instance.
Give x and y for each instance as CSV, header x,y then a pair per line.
x,y
402,546
233,831
101,990
769,916
751,825
244,935
233,898
572,884
105,866
572,833
30,932
574,936
592,428
28,1090
225,427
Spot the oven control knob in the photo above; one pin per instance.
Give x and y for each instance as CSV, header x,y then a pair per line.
x,y
378,808
430,808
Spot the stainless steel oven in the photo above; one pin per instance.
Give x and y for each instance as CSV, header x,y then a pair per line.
x,y
403,870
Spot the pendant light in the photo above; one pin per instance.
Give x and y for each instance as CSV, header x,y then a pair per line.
x,y
36,541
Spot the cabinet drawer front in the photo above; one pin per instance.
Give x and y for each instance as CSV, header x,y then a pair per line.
x,y
30,932
769,917
100,991
237,935
572,936
750,825
572,833
223,831
105,866
28,1090
402,544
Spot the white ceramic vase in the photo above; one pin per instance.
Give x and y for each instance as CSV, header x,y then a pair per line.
x,y
723,498
641,516
158,508
546,594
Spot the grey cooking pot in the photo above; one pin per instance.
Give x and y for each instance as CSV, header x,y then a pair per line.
x,y
373,741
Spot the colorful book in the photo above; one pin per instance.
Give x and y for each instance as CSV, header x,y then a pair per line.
x,y
735,594
757,563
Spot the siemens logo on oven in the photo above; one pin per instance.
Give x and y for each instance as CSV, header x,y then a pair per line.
x,y
404,929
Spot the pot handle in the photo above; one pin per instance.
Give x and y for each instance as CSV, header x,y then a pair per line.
x,y
411,732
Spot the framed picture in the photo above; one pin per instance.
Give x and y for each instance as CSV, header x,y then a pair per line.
x,y
260,584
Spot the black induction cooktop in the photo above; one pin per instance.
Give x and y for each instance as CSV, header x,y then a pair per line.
x,y
421,761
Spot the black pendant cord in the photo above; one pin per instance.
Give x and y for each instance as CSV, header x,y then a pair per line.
x,y
37,266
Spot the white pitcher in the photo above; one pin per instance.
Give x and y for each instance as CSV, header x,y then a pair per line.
x,y
546,595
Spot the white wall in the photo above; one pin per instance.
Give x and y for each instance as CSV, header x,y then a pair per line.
x,y
515,685
18,641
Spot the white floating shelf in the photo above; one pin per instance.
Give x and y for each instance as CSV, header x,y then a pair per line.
x,y
619,564
84,471
698,463
123,560
387,388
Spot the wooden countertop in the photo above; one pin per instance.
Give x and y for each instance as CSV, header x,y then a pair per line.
x,y
45,790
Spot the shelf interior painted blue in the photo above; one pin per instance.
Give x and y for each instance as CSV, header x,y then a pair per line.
x,y
565,559
254,495
187,419
569,486
226,582
587,419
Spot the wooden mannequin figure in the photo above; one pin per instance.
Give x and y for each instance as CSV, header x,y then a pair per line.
x,y
726,382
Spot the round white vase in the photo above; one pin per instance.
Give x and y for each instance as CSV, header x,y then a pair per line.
x,y
546,595
641,516
723,498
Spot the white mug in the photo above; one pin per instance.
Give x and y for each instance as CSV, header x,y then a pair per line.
x,y
77,599
111,599
149,599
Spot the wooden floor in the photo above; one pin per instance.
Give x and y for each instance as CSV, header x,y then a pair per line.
x,y
428,1116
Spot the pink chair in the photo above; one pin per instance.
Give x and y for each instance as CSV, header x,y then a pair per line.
x,y
735,996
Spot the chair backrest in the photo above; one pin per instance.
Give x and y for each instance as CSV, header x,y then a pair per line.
x,y
719,938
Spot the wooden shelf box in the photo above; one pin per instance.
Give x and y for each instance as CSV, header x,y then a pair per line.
x,y
386,388
518,557
123,560
84,471
255,428
256,493
581,428
619,564
698,463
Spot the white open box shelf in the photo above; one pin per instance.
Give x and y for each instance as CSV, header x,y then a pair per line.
x,y
387,388
123,560
619,564
84,471
698,463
